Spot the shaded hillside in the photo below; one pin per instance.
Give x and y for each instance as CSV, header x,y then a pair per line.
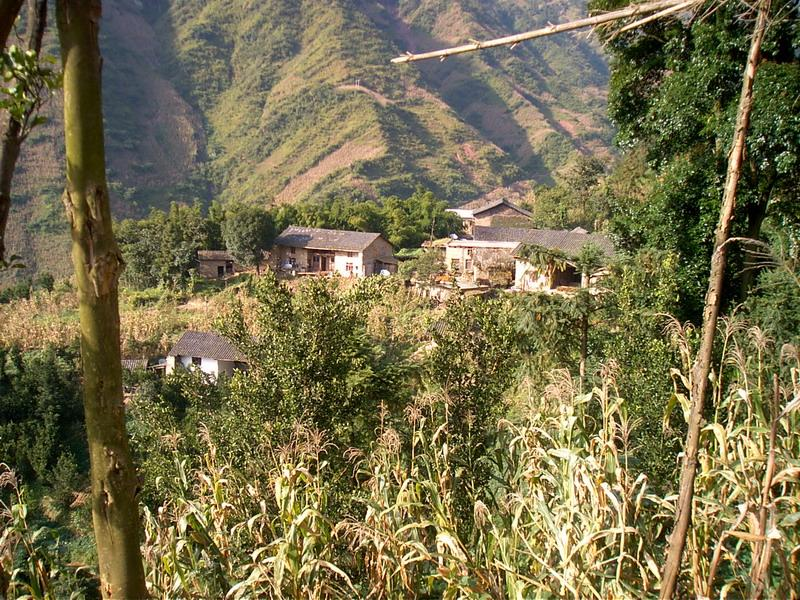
x,y
283,100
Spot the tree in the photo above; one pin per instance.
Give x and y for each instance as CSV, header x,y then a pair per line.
x,y
248,231
30,86
97,263
312,359
674,90
161,249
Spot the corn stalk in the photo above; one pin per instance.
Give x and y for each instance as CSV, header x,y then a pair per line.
x,y
702,365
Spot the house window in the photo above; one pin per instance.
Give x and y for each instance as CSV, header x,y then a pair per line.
x,y
196,360
348,267
468,265
316,258
454,264
469,251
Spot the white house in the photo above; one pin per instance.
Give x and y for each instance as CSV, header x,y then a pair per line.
x,y
348,253
211,353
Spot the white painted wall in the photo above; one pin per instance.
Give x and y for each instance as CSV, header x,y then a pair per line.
x,y
340,264
527,278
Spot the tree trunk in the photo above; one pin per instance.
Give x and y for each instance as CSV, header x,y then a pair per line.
x,y
97,263
9,9
13,136
756,214
9,153
702,365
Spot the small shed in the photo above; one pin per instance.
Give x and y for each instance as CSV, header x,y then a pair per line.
x,y
215,264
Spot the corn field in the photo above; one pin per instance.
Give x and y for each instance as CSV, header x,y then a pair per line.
x,y
561,513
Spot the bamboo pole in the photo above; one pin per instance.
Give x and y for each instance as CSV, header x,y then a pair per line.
x,y
97,262
663,7
702,364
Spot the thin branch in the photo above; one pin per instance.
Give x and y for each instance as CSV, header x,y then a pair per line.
x,y
512,40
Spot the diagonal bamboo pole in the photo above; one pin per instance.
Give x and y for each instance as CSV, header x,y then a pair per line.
x,y
663,7
702,364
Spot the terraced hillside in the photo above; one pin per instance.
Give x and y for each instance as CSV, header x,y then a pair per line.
x,y
281,100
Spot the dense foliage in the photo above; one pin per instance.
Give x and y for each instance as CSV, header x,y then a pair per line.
x,y
41,419
674,92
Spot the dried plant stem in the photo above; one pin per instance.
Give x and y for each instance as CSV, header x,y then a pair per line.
x,y
702,365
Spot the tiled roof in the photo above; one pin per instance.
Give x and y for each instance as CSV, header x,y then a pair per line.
x,y
214,255
206,345
476,207
134,364
325,239
569,242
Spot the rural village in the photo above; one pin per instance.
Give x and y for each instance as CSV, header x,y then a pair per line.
x,y
492,252
400,299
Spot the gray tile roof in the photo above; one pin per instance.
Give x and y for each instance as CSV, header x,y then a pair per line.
x,y
569,242
481,205
214,255
325,239
206,345
134,364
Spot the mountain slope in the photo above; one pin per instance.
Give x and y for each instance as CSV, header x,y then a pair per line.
x,y
283,100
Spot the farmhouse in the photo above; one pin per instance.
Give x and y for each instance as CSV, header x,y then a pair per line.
x,y
348,253
496,256
496,212
211,353
215,264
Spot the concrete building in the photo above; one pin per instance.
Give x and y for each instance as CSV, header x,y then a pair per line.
x,y
326,251
211,353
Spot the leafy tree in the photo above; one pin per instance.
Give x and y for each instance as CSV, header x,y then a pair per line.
x,y
425,267
577,198
248,231
28,85
41,413
642,292
312,358
161,249
419,217
674,90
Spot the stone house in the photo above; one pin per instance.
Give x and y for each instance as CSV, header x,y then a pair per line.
x,y
328,251
215,264
209,352
487,214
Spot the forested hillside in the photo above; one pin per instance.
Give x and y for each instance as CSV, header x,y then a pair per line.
x,y
281,101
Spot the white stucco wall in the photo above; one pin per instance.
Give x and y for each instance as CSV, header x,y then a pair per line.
x,y
340,264
527,278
